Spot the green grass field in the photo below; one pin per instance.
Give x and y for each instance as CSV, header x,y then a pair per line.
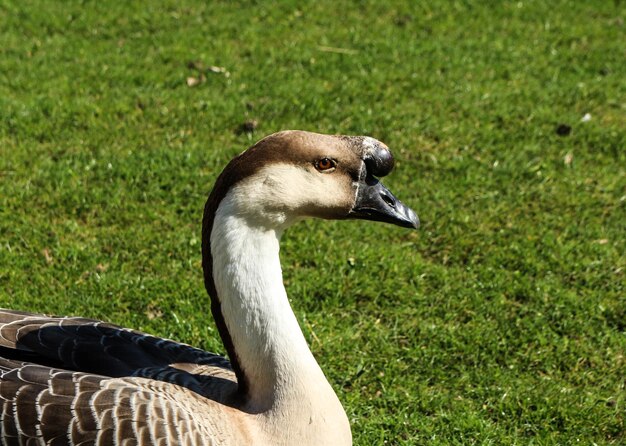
x,y
502,321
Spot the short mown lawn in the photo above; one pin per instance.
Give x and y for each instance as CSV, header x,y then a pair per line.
x,y
502,321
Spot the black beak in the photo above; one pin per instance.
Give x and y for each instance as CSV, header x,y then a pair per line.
x,y
375,202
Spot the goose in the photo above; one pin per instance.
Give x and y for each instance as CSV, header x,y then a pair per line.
x,y
77,381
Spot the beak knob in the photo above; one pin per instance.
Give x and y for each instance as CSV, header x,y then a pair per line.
x,y
379,160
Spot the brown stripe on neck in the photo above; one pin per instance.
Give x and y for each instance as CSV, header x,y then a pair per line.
x,y
210,208
242,166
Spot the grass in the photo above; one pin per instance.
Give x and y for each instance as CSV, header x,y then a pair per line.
x,y
502,321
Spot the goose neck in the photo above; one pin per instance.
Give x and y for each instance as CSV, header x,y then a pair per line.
x,y
271,350
280,382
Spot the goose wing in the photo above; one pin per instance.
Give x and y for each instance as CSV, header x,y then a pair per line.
x,y
76,381
93,346
44,405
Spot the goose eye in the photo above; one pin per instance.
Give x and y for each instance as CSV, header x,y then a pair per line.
x,y
325,164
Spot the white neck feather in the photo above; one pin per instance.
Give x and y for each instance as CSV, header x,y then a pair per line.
x,y
287,388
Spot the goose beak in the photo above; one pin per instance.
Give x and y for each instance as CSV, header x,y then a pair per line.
x,y
375,202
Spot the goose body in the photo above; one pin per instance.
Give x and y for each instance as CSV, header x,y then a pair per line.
x,y
75,381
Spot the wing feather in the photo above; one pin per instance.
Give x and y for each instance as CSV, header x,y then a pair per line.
x,y
97,347
75,381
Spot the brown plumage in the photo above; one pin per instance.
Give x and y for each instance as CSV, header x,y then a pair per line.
x,y
78,381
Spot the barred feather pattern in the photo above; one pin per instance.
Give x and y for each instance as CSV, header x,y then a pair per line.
x,y
75,381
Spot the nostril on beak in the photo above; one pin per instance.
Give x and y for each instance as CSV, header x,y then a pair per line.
x,y
389,200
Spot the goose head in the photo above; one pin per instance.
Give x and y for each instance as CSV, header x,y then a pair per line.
x,y
292,175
